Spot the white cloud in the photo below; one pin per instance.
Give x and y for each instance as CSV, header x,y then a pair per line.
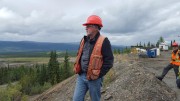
x,y
125,22
6,14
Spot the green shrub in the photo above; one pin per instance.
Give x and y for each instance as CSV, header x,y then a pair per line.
x,y
46,86
24,98
11,93
36,89
4,95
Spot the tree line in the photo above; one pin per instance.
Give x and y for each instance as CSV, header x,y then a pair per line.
x,y
35,79
143,45
122,51
149,44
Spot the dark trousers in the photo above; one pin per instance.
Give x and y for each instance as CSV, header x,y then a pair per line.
x,y
169,67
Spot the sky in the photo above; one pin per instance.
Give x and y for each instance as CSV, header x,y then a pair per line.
x,y
125,22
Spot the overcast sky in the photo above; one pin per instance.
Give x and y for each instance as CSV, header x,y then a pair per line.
x,y
126,22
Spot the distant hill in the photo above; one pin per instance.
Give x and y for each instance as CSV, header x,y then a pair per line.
x,y
26,46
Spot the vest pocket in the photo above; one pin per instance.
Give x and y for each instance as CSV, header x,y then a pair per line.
x,y
95,67
97,62
95,74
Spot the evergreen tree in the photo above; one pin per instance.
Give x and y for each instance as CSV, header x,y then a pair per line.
x,y
38,74
157,44
58,75
161,39
152,45
118,51
66,66
1,76
44,75
140,44
53,67
115,51
149,44
144,45
61,74
126,50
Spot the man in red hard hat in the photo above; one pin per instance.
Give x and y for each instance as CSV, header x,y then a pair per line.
x,y
174,63
94,59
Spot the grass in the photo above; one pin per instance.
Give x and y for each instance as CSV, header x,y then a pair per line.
x,y
33,60
109,77
34,54
26,59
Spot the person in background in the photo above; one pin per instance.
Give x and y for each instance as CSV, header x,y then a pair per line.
x,y
174,63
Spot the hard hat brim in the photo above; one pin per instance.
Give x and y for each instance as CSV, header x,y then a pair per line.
x,y
85,24
175,46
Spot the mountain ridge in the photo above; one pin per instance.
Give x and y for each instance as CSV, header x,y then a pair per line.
x,y
25,46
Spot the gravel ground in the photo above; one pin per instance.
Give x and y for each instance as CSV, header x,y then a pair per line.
x,y
134,81
156,65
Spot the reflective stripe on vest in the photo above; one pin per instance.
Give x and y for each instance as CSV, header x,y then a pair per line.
x,y
95,62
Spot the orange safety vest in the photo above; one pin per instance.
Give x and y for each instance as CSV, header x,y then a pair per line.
x,y
96,59
175,59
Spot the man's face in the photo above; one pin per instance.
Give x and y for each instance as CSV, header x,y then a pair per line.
x,y
90,30
175,48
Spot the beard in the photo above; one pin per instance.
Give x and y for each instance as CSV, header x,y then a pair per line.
x,y
89,33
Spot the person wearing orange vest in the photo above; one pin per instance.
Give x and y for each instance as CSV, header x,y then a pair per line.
x,y
94,59
174,63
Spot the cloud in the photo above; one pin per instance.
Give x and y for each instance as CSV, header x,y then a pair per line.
x,y
125,22
6,14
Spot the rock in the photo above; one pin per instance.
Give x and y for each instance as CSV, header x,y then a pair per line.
x,y
108,97
103,91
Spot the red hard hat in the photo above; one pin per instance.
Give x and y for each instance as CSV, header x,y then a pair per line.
x,y
94,19
175,44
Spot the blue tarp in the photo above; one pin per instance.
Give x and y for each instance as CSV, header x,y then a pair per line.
x,y
152,53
